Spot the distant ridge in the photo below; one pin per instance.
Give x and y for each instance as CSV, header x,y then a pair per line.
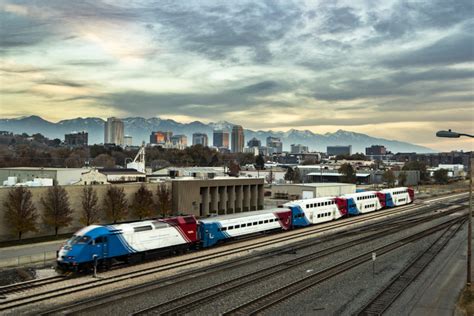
x,y
140,128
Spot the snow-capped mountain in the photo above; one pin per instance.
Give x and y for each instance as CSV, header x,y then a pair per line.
x,y
140,128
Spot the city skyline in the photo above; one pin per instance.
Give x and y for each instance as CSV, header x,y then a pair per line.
x,y
394,70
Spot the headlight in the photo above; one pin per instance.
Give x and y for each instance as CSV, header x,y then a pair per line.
x,y
70,257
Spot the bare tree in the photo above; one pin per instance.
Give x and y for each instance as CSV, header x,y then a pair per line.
x,y
90,206
115,204
143,204
57,210
164,199
20,212
270,177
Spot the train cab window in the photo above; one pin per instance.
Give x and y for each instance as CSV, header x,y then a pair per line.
x,y
142,228
100,239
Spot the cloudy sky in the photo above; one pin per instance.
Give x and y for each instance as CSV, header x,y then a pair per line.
x,y
394,69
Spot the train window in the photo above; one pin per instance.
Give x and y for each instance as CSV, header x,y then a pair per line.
x,y
319,215
230,227
308,205
243,225
99,240
141,228
224,229
249,224
237,226
260,222
255,223
265,221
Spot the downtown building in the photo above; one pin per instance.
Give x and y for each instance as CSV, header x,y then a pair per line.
x,y
238,139
160,137
76,139
220,139
114,131
200,139
339,150
274,145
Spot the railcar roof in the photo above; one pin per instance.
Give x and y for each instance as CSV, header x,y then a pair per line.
x,y
311,200
239,215
360,194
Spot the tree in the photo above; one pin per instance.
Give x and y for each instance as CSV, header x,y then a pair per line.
x,y
104,160
441,176
260,162
270,177
57,210
115,204
90,206
297,176
402,178
143,204
389,177
20,212
419,166
164,199
348,174
234,169
290,174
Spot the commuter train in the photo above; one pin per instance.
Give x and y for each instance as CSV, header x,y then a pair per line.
x,y
127,242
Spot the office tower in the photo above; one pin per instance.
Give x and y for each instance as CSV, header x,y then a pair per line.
x,y
220,139
237,139
200,139
76,139
114,131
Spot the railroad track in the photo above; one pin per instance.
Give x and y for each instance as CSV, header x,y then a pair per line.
x,y
268,300
385,298
188,302
41,296
23,286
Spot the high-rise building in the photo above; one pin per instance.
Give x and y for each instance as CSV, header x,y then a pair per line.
x,y
114,131
254,142
376,150
220,138
76,139
127,140
237,139
339,150
274,145
160,137
179,140
200,139
299,149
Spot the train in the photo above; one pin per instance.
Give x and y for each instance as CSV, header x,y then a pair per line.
x,y
104,245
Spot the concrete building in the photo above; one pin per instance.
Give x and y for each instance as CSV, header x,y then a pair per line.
x,y
200,139
252,150
220,139
160,137
119,175
311,190
60,176
76,139
127,140
339,150
238,139
217,196
298,149
274,145
376,150
114,131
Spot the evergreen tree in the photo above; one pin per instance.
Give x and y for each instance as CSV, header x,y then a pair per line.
x,y
441,176
402,178
115,204
143,204
260,162
90,206
389,177
297,176
57,210
348,174
20,212
290,174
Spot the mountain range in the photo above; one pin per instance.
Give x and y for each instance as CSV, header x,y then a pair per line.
x,y
140,128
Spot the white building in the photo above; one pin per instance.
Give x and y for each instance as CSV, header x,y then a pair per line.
x,y
114,131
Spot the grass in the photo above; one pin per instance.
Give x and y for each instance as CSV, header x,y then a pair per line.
x,y
466,300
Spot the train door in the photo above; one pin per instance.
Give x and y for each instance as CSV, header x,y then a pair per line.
x,y
101,247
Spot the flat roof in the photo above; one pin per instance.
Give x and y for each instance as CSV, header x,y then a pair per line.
x,y
238,215
316,185
335,174
42,169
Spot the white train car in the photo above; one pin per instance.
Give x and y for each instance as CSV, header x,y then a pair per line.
x,y
318,210
398,196
364,202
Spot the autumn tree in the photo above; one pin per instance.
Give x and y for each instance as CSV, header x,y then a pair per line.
x,y
57,210
234,169
163,199
115,204
348,174
389,177
20,212
143,204
90,206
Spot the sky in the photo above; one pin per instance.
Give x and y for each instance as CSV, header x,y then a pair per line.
x,y
393,69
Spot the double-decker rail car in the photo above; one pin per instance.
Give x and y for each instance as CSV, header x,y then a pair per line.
x,y
123,242
220,228
398,196
364,202
319,210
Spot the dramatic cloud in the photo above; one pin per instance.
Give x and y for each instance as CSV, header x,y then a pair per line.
x,y
392,67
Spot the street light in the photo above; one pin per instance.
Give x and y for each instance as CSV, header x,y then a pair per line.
x,y
451,134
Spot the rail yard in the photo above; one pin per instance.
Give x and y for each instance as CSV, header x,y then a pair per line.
x,y
359,265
